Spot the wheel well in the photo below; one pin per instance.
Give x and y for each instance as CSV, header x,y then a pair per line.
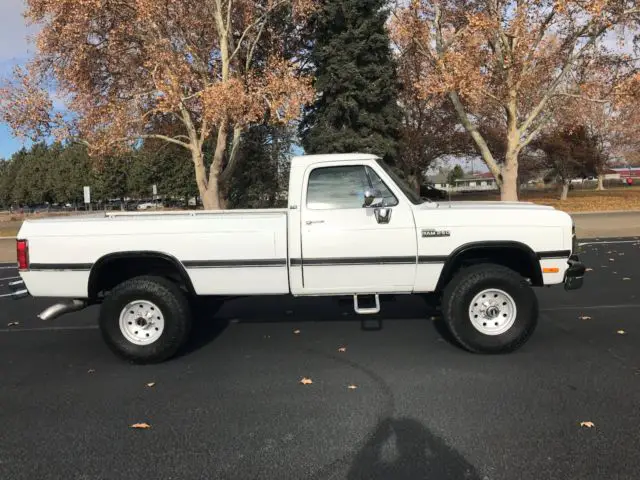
x,y
112,270
518,257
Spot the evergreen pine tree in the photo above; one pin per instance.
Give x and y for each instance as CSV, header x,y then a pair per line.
x,y
356,108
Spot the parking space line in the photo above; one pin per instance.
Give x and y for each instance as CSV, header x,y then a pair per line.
x,y
606,242
15,267
48,329
590,307
10,278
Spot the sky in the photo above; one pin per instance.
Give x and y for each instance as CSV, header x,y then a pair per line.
x,y
14,50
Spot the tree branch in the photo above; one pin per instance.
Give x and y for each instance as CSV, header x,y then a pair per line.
x,y
232,164
565,69
477,137
260,19
165,138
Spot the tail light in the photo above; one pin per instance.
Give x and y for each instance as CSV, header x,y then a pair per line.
x,y
22,247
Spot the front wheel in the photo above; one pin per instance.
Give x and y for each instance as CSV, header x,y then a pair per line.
x,y
145,319
490,309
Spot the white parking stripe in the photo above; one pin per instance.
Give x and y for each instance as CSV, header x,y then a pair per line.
x,y
15,267
590,307
48,329
608,242
9,278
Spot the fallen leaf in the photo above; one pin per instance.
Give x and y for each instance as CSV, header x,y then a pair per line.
x,y
141,426
584,317
587,424
352,387
306,381
297,332
151,384
611,260
626,278
91,370
13,324
589,270
342,349
621,332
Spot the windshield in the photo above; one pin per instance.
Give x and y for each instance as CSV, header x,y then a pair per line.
x,y
409,192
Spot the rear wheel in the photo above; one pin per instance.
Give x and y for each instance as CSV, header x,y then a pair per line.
x,y
145,319
490,309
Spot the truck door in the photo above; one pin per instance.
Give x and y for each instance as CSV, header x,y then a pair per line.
x,y
347,246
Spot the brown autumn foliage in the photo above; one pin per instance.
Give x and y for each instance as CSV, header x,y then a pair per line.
x,y
126,67
513,63
430,127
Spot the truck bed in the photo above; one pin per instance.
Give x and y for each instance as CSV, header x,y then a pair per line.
x,y
234,252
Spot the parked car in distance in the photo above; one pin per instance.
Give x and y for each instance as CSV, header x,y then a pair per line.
x,y
351,228
149,205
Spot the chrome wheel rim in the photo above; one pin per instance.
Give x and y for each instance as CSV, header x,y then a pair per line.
x,y
492,311
141,322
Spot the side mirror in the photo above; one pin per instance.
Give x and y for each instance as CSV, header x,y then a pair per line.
x,y
370,197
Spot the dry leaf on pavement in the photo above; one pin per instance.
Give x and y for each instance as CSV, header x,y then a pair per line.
x,y
342,349
626,278
584,317
91,370
141,426
352,387
297,332
621,332
306,381
151,384
13,324
587,424
589,270
611,260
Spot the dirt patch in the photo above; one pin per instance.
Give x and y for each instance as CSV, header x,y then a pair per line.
x,y
7,251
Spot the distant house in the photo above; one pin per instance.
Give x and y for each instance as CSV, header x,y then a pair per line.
x,y
478,181
625,172
440,181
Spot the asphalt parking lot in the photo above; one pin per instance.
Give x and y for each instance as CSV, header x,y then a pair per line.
x,y
232,407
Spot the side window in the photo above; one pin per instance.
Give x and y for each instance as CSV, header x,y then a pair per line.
x,y
337,187
382,191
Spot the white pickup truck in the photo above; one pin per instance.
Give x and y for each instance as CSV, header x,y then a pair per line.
x,y
352,228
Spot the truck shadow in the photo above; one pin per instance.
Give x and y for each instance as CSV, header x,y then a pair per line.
x,y
403,449
210,323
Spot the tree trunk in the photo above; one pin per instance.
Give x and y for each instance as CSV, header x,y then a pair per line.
x,y
414,182
600,181
509,187
207,188
210,198
565,189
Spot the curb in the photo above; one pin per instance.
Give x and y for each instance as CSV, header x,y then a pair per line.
x,y
604,212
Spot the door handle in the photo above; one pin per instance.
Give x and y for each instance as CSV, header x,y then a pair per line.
x,y
313,222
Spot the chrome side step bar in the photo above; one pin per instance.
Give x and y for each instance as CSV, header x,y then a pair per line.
x,y
366,311
59,309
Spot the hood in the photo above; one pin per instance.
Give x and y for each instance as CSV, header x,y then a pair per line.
x,y
472,205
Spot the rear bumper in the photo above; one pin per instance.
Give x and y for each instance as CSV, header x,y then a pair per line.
x,y
574,277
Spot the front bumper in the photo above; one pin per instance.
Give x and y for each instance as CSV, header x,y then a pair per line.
x,y
574,277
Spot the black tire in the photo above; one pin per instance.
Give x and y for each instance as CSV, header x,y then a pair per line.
x,y
171,301
470,282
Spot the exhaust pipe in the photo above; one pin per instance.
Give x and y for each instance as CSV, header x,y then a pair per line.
x,y
59,309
